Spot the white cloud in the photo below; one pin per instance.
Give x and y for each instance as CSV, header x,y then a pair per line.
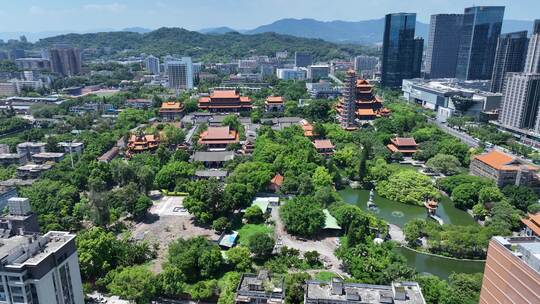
x,y
111,8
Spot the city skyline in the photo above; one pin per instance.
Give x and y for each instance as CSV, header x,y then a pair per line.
x,y
84,15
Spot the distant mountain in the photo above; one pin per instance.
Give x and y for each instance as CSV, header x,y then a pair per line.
x,y
137,29
226,46
362,32
218,30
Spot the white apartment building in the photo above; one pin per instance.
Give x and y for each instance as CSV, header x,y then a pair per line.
x,y
180,73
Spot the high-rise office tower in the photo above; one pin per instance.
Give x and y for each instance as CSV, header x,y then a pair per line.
x,y
443,45
152,64
512,273
479,35
303,59
510,57
180,72
532,62
65,61
521,99
402,53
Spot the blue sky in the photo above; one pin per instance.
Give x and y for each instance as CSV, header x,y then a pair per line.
x,y
79,15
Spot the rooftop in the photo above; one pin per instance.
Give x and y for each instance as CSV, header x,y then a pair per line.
x,y
323,144
501,161
219,156
262,285
224,94
338,291
404,141
219,133
330,222
171,105
533,222
211,173
525,248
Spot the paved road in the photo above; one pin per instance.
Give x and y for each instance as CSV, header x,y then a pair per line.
x,y
465,138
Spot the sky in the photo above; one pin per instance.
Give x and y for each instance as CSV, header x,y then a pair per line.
x,y
84,15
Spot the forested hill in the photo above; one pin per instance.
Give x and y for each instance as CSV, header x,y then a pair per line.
x,y
205,46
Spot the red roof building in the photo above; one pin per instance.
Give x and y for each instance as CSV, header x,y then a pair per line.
x,y
307,128
274,104
275,183
406,145
359,103
171,110
505,169
225,101
532,224
142,143
324,146
218,137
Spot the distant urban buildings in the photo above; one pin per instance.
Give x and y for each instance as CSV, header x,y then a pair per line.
x,y
180,72
509,57
65,61
532,62
480,33
302,59
291,74
366,66
512,272
443,45
152,65
318,71
402,52
521,100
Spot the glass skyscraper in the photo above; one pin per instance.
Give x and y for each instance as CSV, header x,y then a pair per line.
x,y
480,32
402,53
443,45
510,57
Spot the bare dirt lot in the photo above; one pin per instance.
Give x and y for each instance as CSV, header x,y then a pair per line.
x,y
166,221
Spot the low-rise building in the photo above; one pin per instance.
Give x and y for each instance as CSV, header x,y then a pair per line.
x,y
274,104
139,143
324,146
214,173
5,194
218,137
139,103
30,148
109,155
275,183
171,110
307,127
72,147
338,292
291,74
213,159
260,288
225,101
7,159
505,170
449,97
41,158
531,224
407,146
32,171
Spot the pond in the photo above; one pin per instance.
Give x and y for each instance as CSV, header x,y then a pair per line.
x,y
439,266
399,214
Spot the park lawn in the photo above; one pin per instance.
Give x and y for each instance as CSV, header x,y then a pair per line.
x,y
249,229
325,276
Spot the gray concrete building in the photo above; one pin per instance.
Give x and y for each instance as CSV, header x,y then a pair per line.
x,y
521,101
532,62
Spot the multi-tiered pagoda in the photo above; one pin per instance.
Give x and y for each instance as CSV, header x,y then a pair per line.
x,y
358,105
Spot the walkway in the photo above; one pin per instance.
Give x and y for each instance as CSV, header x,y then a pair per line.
x,y
396,234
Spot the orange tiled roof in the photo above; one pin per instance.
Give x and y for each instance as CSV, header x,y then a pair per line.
x,y
404,141
224,94
501,161
277,180
367,112
533,222
171,105
274,99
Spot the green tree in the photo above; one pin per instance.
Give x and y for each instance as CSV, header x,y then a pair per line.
x,y
261,245
445,164
302,216
465,196
253,215
409,187
520,197
256,174
227,287
173,173
294,284
321,178
204,200
135,283
240,258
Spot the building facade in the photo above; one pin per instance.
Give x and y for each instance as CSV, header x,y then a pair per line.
x,y
180,73
509,57
152,64
478,44
225,101
512,272
521,101
316,72
402,53
366,66
532,62
65,61
302,59
443,45
505,170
